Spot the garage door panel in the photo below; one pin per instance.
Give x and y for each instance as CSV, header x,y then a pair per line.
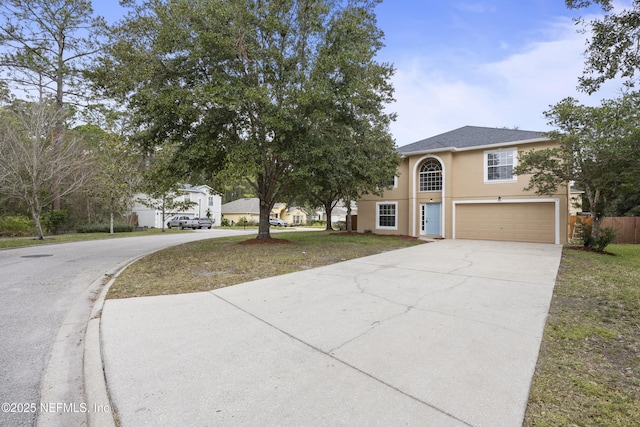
x,y
521,222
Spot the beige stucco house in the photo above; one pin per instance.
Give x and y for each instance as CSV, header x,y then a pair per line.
x,y
249,209
460,185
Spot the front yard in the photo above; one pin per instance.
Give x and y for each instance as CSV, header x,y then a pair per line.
x,y
588,371
210,264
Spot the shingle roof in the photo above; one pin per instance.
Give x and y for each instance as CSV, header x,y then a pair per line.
x,y
469,137
242,206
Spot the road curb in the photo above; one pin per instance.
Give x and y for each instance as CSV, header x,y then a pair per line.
x,y
95,383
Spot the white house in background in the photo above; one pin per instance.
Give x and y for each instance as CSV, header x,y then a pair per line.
x,y
206,204
338,213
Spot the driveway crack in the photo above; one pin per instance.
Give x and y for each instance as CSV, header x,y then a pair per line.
x,y
332,356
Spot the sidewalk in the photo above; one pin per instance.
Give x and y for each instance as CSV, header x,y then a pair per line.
x,y
441,334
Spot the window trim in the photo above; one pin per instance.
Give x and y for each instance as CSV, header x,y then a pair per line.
x,y
378,226
514,177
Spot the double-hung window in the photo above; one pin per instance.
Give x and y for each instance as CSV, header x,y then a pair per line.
x,y
499,164
387,215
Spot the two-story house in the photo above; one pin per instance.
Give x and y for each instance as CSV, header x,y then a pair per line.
x,y
461,185
204,204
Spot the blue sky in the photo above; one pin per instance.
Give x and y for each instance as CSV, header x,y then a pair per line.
x,y
490,63
482,63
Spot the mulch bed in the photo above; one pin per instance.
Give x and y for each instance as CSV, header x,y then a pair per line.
x,y
587,249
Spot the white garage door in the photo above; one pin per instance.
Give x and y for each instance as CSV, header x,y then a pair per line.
x,y
517,222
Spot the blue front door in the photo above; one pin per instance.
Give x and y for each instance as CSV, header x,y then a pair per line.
x,y
430,219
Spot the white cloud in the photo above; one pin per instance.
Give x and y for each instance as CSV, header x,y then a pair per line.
x,y
512,92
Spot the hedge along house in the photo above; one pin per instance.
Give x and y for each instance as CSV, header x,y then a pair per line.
x,y
460,185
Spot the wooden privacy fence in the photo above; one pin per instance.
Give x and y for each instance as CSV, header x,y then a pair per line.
x,y
628,227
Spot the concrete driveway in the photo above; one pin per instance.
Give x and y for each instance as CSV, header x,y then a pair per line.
x,y
442,334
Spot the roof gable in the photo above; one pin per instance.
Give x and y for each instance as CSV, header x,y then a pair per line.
x,y
469,137
242,206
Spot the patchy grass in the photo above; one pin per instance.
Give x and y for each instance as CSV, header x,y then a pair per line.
x,y
588,371
215,263
17,242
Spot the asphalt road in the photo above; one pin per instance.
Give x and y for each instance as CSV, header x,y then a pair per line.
x,y
43,288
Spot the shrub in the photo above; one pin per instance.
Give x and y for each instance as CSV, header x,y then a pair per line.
x,y
17,226
104,228
53,221
225,222
606,236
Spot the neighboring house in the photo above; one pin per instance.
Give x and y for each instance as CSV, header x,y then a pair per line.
x,y
249,209
205,202
459,185
242,209
575,203
295,215
338,213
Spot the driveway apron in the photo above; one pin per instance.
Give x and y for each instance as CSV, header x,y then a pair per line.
x,y
442,334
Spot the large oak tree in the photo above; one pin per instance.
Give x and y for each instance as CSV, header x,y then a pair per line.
x,y
249,88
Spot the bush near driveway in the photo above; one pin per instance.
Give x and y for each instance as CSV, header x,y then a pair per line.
x,y
588,371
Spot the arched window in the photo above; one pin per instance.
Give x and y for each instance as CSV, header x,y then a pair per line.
x,y
431,176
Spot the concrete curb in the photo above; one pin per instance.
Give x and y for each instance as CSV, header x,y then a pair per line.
x,y
74,374
104,414
95,385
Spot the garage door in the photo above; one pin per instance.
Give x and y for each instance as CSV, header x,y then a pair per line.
x,y
518,222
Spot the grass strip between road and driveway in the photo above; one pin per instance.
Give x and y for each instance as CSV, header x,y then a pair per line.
x,y
588,371
215,263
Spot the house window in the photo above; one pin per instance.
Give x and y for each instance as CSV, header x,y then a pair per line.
x,y
498,165
387,216
210,200
297,219
431,176
389,184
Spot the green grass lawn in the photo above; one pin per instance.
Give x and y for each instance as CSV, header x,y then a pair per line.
x,y
210,264
588,371
17,242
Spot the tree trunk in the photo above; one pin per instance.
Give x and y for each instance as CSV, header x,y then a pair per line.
x,y
328,209
111,223
263,224
36,219
347,201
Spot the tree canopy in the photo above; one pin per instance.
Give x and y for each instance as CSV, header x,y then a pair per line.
x,y
45,46
36,156
614,46
598,149
250,88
